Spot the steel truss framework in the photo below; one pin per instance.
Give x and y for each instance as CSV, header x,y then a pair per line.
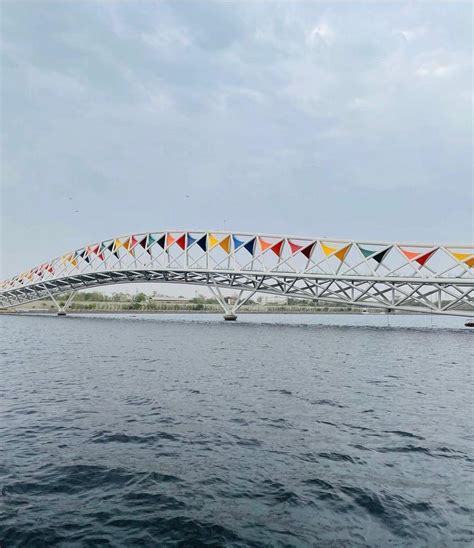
x,y
422,278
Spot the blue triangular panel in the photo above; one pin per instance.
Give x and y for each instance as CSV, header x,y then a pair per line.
x,y
190,240
237,242
250,246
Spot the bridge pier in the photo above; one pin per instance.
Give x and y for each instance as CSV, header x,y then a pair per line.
x,y
62,309
230,312
230,317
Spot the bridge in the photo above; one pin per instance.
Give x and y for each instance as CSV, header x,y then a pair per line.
x,y
423,278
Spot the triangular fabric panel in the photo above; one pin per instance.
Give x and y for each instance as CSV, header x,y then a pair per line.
x,y
202,242
161,241
117,244
410,254
264,245
150,243
380,256
97,251
250,246
366,252
276,248
294,247
308,250
327,250
103,247
225,244
213,241
143,242
341,254
461,256
190,240
129,244
181,241
169,240
237,243
423,258
470,262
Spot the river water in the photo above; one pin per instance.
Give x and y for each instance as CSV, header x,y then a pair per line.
x,y
272,431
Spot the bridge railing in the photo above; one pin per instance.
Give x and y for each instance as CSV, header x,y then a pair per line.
x,y
261,253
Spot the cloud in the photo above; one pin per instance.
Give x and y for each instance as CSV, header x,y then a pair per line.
x,y
260,111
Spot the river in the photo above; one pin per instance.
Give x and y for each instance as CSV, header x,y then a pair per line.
x,y
184,430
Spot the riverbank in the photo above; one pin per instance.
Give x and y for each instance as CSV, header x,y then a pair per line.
x,y
289,310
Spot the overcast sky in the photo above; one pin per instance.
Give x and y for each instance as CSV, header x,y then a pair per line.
x,y
350,120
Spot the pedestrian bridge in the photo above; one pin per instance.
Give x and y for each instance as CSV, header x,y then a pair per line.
x,y
425,278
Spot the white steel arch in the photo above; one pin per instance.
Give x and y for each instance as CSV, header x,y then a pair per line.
x,y
426,278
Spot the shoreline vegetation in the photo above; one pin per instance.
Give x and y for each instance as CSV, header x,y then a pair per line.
x,y
96,302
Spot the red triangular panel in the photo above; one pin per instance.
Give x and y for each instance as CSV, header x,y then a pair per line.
x,y
181,241
276,248
308,250
294,247
423,258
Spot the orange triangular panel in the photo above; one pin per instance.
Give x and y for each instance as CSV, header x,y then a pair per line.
x,y
294,247
327,250
129,244
276,248
341,254
225,244
410,254
264,245
169,240
470,262
423,258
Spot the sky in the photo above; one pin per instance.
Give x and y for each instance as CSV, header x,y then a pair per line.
x,y
343,119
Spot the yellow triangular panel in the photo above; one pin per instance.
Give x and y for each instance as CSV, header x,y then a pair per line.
x,y
225,244
117,244
341,254
461,256
213,241
327,250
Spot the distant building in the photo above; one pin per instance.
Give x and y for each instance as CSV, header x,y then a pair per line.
x,y
274,299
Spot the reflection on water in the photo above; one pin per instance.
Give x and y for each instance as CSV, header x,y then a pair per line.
x,y
271,431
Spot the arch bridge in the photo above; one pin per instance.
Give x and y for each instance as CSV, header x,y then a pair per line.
x,y
396,276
